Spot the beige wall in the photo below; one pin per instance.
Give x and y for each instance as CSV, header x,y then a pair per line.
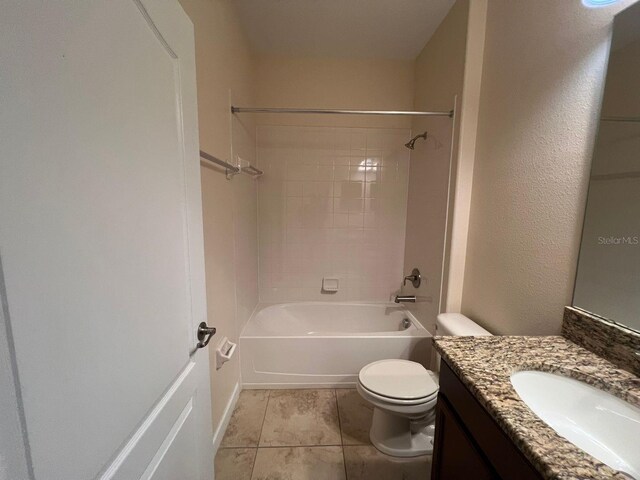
x,y
290,81
225,69
541,87
439,72
462,166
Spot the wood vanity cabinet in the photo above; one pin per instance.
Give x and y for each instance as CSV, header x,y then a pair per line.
x,y
468,443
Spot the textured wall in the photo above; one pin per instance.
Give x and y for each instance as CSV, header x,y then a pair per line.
x,y
367,84
225,67
542,81
438,79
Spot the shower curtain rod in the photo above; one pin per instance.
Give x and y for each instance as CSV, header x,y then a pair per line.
x,y
340,112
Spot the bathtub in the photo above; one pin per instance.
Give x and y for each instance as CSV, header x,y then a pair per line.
x,y
314,345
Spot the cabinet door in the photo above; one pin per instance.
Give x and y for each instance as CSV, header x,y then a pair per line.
x,y
455,453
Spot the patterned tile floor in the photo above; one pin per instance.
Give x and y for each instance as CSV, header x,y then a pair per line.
x,y
307,434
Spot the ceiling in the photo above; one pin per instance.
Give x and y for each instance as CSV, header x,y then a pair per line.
x,y
395,29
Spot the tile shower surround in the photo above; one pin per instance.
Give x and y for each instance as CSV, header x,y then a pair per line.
x,y
332,203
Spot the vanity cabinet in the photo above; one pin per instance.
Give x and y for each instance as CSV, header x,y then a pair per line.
x,y
468,442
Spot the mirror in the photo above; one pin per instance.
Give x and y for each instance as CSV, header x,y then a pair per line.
x,y
608,277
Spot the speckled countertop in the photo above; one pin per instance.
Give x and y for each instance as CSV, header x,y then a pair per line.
x,y
485,364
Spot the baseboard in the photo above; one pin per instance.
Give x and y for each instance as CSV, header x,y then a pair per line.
x,y
226,417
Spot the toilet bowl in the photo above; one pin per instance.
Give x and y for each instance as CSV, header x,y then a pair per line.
x,y
404,394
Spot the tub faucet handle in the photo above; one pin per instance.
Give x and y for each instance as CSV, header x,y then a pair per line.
x,y
414,278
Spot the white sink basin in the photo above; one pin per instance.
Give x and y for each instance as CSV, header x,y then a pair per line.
x,y
599,423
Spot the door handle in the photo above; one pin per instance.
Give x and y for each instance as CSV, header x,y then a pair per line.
x,y
205,333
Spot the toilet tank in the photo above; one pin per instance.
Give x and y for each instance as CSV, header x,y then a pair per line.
x,y
458,325
448,324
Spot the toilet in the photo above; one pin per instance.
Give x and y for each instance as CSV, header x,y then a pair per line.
x,y
404,393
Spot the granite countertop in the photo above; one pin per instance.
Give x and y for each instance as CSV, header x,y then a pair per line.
x,y
484,364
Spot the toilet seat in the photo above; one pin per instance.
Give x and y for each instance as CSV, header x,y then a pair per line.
x,y
397,401
399,382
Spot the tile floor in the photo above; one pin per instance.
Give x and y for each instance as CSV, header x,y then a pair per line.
x,y
307,434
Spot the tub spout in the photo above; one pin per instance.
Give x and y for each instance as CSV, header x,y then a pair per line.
x,y
405,299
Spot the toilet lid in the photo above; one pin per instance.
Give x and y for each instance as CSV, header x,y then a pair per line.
x,y
400,379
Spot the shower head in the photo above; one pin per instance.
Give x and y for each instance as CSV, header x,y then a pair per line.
x,y
411,143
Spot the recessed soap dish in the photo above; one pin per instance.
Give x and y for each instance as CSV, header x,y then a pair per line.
x,y
329,285
225,350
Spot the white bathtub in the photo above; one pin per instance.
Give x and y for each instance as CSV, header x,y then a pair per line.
x,y
311,345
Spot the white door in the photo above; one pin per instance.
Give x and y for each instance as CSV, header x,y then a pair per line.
x,y
101,244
